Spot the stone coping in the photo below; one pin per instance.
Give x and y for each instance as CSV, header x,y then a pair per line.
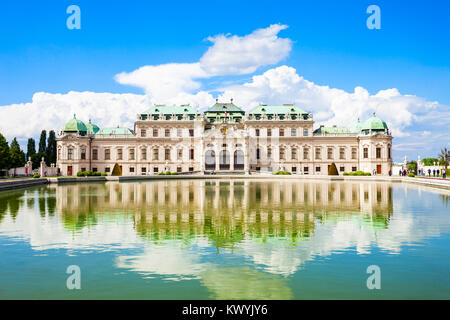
x,y
23,183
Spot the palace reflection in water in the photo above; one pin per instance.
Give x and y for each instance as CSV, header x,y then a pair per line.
x,y
237,239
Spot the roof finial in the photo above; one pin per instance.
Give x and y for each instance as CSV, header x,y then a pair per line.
x,y
74,116
217,100
374,114
231,100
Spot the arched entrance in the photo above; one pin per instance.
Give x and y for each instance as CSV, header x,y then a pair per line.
x,y
224,160
210,160
238,160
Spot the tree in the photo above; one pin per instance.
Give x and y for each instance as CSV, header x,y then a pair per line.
x,y
117,170
444,157
4,153
51,148
332,170
429,161
412,165
31,148
42,142
36,159
16,155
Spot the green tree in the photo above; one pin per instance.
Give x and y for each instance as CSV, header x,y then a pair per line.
x,y
117,170
412,165
444,157
31,147
4,153
429,161
332,170
51,148
16,155
36,159
42,142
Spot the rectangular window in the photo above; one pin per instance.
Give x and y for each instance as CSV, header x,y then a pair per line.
x,y
69,154
107,154
167,133
119,154
191,154
305,132
155,132
59,154
156,154
269,153
294,169
341,169
107,170
378,150
305,154
95,169
83,154
342,153
83,169
180,154
143,133
257,132
179,132
389,152
366,153
143,171
282,157
191,132
330,153
178,169
317,169
131,154
95,154
318,155
191,169
144,154
155,170
305,170
354,153
258,154
131,169
354,169
269,132
293,132
294,154
167,154
281,132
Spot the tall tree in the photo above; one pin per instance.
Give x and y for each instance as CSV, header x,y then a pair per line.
x,y
4,153
17,156
31,148
51,148
42,142
444,157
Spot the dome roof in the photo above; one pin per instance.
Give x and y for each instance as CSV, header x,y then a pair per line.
x,y
374,123
92,128
357,127
74,125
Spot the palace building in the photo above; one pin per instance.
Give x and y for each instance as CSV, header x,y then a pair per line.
x,y
225,139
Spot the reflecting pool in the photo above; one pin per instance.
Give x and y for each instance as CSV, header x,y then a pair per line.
x,y
225,239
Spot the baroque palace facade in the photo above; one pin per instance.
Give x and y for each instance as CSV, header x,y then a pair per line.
x,y
225,139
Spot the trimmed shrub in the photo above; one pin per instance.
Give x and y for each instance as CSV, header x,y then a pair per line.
x,y
281,173
174,173
104,174
411,175
36,176
117,171
333,171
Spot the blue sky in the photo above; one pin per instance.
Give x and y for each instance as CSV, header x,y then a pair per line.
x,y
330,46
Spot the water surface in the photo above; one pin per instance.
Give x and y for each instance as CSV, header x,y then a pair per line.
x,y
225,239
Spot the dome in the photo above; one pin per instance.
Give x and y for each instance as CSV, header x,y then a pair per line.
x,y
74,125
92,128
375,124
357,127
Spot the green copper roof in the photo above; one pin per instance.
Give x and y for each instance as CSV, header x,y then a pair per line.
x,y
374,123
284,109
74,125
331,130
115,131
169,110
92,128
356,127
225,107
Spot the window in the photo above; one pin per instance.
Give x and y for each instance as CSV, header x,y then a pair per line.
x,y
294,169
191,132
155,170
353,153
107,169
107,154
95,154
83,169
258,154
342,153
294,153
306,170
131,169
330,153
257,132
180,154
167,133
178,169
354,169
305,153
167,154
341,169
131,157
389,152
191,169
179,132
143,171
305,132
95,169
156,154
144,154
366,153
269,153
269,132
191,155
69,154
155,132
143,133
83,154
318,155
282,156
119,154
378,150
293,132
281,132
